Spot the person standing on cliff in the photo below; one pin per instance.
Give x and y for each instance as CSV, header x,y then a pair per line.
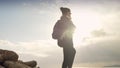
x,y
63,32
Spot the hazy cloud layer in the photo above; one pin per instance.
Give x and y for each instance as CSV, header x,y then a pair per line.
x,y
104,50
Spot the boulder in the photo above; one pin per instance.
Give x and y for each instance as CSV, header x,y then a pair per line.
x,y
8,55
1,66
29,63
12,64
9,59
1,58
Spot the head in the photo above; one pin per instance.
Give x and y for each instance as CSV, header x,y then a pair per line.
x,y
65,11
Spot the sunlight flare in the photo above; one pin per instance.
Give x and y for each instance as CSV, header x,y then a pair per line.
x,y
86,22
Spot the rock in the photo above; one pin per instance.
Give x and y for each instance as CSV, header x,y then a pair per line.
x,y
1,58
8,55
12,64
29,63
1,66
9,59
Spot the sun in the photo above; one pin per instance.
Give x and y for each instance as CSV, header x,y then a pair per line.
x,y
85,22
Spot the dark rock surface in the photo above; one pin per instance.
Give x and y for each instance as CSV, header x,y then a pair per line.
x,y
9,59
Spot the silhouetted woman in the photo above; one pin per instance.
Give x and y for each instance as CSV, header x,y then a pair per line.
x,y
63,32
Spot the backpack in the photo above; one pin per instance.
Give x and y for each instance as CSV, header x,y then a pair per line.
x,y
57,30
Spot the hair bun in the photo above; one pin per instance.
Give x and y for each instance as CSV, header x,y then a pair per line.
x,y
64,10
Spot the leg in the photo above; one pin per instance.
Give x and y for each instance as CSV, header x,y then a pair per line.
x,y
72,53
65,61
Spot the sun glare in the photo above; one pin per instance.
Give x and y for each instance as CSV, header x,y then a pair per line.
x,y
85,22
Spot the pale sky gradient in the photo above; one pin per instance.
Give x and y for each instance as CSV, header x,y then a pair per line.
x,y
26,27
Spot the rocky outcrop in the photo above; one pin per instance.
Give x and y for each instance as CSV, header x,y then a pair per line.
x,y
9,59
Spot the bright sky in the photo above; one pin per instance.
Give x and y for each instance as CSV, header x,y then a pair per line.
x,y
26,27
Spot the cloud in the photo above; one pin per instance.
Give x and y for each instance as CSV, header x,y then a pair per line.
x,y
5,42
111,21
39,48
100,50
98,33
45,52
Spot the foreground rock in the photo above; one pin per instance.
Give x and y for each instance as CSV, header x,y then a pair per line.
x,y
9,59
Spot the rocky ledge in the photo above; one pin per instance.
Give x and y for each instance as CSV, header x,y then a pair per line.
x,y
9,59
